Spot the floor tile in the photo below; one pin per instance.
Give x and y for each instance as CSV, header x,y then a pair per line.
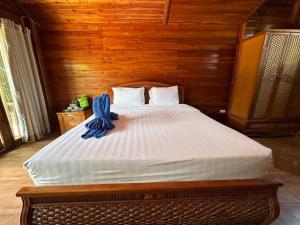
x,y
290,213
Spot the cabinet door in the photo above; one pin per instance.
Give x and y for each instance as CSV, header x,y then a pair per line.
x,y
270,67
287,100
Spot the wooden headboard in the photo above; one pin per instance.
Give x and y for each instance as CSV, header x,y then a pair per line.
x,y
148,85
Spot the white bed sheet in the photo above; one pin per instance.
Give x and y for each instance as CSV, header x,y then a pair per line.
x,y
151,144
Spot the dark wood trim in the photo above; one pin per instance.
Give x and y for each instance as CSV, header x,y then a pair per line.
x,y
15,10
236,122
226,201
271,30
242,32
296,120
1,145
19,7
256,8
167,11
268,134
73,190
244,125
295,14
282,30
25,214
4,13
5,130
289,120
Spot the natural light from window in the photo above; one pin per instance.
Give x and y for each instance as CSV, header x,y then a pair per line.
x,y
7,99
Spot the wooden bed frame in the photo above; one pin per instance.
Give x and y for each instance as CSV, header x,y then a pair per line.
x,y
221,202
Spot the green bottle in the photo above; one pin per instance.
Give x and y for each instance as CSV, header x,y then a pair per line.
x,y
83,102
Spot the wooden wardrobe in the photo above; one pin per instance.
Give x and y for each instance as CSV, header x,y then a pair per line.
x,y
265,97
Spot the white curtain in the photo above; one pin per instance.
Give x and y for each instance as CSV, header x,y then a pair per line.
x,y
23,75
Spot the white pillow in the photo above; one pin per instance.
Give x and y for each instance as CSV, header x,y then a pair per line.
x,y
164,96
129,96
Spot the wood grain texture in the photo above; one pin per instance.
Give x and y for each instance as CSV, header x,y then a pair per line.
x,y
295,14
215,202
68,120
275,14
209,185
89,46
245,82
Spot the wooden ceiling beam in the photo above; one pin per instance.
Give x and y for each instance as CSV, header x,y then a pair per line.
x,y
253,11
295,14
167,11
18,7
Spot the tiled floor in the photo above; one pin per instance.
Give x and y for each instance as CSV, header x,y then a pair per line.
x,y
13,176
289,198
286,152
286,155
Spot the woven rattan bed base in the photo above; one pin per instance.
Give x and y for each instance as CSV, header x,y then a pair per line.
x,y
214,202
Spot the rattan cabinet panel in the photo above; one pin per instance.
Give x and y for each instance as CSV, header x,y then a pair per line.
x,y
269,73
286,77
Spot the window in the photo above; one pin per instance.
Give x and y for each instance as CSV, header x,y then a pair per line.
x,y
7,99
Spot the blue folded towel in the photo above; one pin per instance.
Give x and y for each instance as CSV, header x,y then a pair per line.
x,y
99,126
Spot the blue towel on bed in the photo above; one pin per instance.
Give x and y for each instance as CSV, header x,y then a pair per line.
x,y
99,126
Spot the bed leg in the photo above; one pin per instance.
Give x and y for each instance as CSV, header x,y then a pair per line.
x,y
25,214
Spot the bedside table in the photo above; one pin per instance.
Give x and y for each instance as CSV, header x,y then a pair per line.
x,y
68,120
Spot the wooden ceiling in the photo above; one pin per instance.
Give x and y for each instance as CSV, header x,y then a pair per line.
x,y
266,17
139,11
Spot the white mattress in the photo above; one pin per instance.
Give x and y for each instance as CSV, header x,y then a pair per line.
x,y
151,144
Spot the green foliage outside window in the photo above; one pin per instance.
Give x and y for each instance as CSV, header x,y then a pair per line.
x,y
5,91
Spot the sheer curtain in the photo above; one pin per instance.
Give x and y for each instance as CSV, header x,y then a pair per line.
x,y
24,80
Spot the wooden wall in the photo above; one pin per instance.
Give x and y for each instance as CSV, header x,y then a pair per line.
x,y
90,45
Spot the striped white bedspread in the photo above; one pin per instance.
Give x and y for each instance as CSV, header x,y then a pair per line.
x,y
150,144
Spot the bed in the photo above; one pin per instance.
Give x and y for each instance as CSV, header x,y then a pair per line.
x,y
160,165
